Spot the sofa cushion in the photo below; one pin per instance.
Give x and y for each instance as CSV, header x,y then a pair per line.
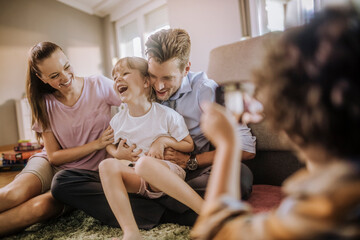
x,y
273,167
265,197
266,139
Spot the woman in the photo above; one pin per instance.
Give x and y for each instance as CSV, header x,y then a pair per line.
x,y
71,115
309,85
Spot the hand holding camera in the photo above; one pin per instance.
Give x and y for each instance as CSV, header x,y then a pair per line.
x,y
238,98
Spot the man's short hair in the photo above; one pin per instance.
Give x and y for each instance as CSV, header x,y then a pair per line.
x,y
168,44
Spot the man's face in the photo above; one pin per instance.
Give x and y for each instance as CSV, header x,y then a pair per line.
x,y
166,77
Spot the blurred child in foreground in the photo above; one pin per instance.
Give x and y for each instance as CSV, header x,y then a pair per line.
x,y
310,88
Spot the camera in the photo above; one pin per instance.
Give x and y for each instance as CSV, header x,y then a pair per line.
x,y
231,95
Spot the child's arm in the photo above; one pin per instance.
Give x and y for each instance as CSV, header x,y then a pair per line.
x,y
158,146
122,151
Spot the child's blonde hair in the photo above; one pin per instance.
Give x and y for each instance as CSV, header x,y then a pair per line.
x,y
136,63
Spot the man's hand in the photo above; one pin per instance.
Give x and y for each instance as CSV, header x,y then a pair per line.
x,y
176,157
124,151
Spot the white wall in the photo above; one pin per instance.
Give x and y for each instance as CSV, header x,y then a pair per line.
x,y
210,23
90,43
23,23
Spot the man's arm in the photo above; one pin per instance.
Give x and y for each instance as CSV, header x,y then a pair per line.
x,y
206,93
204,159
158,147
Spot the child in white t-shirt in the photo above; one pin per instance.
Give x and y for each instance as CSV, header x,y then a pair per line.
x,y
143,128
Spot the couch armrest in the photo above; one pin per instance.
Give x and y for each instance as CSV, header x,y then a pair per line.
x,y
273,167
266,139
236,61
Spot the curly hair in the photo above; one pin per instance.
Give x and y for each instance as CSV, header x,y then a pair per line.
x,y
168,44
309,82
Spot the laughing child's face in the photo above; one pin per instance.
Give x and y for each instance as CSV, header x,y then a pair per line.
x,y
130,84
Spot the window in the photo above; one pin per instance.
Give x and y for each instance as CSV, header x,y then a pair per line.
x,y
307,10
277,15
156,20
300,12
134,30
23,114
130,43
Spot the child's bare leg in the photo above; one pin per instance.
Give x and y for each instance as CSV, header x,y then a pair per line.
x,y
158,174
117,180
21,189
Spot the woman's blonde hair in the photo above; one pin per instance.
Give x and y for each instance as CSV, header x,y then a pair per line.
x,y
136,63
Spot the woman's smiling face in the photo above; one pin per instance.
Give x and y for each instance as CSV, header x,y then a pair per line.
x,y
56,71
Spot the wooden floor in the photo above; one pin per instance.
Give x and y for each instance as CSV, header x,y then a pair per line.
x,y
6,177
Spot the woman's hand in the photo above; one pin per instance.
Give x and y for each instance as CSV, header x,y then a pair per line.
x,y
106,138
217,124
125,152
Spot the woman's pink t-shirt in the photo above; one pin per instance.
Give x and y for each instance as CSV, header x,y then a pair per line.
x,y
83,122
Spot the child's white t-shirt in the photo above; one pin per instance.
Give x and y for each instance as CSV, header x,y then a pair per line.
x,y
144,130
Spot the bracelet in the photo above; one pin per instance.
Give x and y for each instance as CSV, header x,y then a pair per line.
x,y
192,164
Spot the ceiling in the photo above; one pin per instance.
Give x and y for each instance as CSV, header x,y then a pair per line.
x,y
95,7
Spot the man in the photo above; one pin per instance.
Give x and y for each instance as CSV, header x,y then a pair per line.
x,y
176,87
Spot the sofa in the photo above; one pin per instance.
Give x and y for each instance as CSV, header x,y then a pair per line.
x,y
275,159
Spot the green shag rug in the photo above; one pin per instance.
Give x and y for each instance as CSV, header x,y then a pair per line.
x,y
79,225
